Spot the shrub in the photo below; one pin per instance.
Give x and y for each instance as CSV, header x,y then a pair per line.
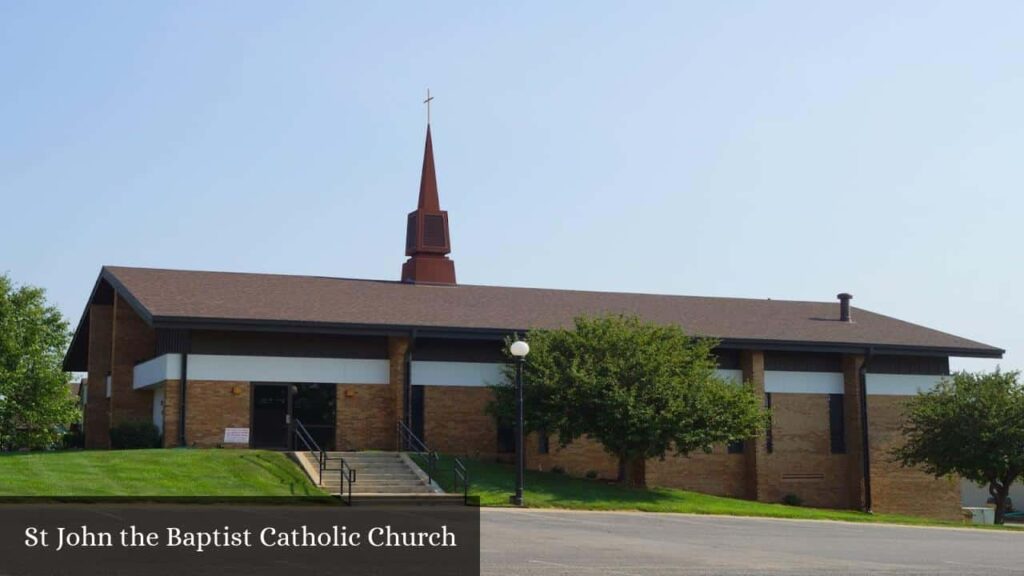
x,y
73,440
592,474
557,470
792,500
132,435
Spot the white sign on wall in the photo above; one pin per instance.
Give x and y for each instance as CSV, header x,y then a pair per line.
x,y
236,435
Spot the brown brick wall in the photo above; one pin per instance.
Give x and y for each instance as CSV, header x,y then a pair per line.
x,y
801,461
133,341
172,412
213,406
851,404
366,417
455,420
97,410
754,449
576,459
717,473
397,348
899,490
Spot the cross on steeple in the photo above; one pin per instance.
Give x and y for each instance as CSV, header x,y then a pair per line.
x,y
427,102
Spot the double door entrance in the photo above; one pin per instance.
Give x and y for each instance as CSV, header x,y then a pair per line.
x,y
277,407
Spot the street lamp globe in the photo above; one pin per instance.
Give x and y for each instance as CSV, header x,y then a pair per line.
x,y
519,349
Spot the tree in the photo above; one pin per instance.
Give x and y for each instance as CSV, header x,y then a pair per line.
x,y
36,403
641,390
971,425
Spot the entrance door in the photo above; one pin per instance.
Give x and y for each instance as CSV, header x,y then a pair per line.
x,y
270,415
314,406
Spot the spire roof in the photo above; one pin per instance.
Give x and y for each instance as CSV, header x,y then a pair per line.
x,y
428,179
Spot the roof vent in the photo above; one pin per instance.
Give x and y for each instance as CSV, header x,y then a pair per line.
x,y
844,306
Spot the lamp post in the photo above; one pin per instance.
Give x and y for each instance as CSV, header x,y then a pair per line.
x,y
519,350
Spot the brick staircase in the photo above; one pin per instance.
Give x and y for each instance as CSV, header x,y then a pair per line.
x,y
378,474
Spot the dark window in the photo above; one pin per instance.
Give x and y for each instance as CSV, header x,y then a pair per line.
x,y
727,359
803,362
416,412
735,447
506,439
769,444
836,424
543,443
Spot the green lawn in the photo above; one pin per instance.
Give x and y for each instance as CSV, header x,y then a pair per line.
x,y
493,483
177,472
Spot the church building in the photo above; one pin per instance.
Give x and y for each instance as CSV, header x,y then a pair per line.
x,y
230,359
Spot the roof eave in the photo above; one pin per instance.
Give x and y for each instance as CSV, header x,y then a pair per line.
x,y
181,322
105,275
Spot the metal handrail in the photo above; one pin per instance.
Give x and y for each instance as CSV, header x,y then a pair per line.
x,y
409,442
346,472
459,472
312,447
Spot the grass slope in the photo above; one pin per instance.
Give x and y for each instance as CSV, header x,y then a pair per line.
x,y
493,483
179,472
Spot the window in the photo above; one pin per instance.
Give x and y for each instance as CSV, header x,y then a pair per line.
x,y
735,447
543,443
836,424
769,443
506,439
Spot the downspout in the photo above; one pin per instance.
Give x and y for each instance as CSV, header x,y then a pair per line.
x,y
181,412
864,437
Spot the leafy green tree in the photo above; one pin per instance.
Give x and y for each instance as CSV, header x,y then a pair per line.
x,y
35,404
640,389
971,425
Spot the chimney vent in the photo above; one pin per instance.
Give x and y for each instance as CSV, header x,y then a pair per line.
x,y
844,306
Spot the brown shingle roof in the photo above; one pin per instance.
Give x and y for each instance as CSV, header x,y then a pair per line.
x,y
178,295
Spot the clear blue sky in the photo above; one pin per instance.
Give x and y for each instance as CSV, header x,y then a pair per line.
x,y
789,150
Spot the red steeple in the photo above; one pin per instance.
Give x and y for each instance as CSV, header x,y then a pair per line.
x,y
428,180
426,235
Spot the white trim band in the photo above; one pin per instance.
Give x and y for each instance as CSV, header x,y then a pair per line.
x,y
788,382
429,373
263,369
156,370
900,384
729,374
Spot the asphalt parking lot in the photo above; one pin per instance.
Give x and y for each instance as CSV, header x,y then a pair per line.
x,y
528,542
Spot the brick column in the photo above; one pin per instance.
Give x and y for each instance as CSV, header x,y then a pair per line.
x,y
133,342
851,414
755,449
172,413
397,348
97,409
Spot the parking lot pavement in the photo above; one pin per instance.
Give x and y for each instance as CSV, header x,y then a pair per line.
x,y
528,542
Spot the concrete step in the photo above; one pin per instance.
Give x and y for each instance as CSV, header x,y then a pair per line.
x,y
412,482
334,465
384,490
395,487
382,499
377,482
377,473
374,477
